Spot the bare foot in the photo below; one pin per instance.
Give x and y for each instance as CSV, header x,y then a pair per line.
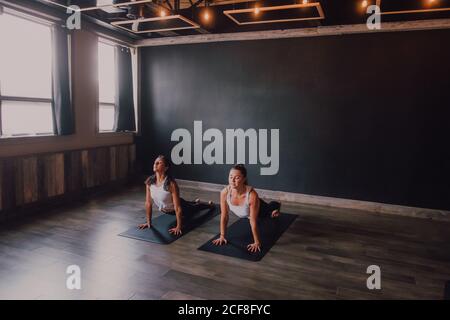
x,y
198,201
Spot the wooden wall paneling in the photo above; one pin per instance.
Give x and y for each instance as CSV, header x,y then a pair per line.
x,y
73,171
126,160
30,179
42,183
19,183
87,163
91,168
113,163
49,172
67,166
119,160
106,166
76,173
58,171
101,165
132,159
49,163
84,168
8,185
123,161
1,185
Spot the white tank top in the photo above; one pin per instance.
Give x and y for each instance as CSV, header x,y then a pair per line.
x,y
241,211
162,198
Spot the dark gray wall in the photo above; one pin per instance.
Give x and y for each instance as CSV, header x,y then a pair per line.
x,y
360,116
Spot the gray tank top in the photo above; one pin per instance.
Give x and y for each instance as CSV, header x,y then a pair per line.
x,y
162,198
241,211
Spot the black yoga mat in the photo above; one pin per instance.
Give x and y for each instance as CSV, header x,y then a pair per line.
x,y
239,235
159,232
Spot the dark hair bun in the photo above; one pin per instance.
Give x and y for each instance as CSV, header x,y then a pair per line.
x,y
165,160
241,168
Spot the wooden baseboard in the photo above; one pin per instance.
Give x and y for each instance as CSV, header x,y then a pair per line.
x,y
423,213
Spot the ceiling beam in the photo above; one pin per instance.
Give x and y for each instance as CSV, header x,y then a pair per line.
x,y
176,5
196,3
225,2
298,33
189,4
169,4
156,8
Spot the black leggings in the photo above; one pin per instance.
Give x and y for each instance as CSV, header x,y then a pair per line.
x,y
266,209
189,208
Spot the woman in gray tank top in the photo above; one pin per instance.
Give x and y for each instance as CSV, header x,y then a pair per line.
x,y
241,199
163,190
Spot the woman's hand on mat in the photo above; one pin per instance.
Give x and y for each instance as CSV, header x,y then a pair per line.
x,y
175,231
254,247
145,226
220,241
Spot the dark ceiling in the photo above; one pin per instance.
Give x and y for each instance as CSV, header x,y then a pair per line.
x,y
192,12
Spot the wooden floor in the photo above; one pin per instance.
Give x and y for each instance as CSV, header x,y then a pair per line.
x,y
323,255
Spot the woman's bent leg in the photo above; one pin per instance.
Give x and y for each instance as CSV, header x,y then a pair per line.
x,y
266,209
191,207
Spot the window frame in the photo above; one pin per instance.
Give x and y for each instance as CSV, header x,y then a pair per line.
x,y
102,38
48,24
104,41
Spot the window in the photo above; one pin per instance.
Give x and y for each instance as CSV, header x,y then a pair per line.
x,y
25,77
107,89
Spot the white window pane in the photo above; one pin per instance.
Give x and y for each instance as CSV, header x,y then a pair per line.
x,y
106,118
26,118
106,73
25,58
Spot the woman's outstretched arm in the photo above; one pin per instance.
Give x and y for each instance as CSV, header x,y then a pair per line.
x,y
254,211
223,218
178,210
148,208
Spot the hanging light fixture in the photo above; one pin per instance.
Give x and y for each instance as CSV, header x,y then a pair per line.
x,y
206,12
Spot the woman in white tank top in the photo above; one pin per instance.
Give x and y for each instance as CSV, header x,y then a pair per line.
x,y
163,190
243,201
